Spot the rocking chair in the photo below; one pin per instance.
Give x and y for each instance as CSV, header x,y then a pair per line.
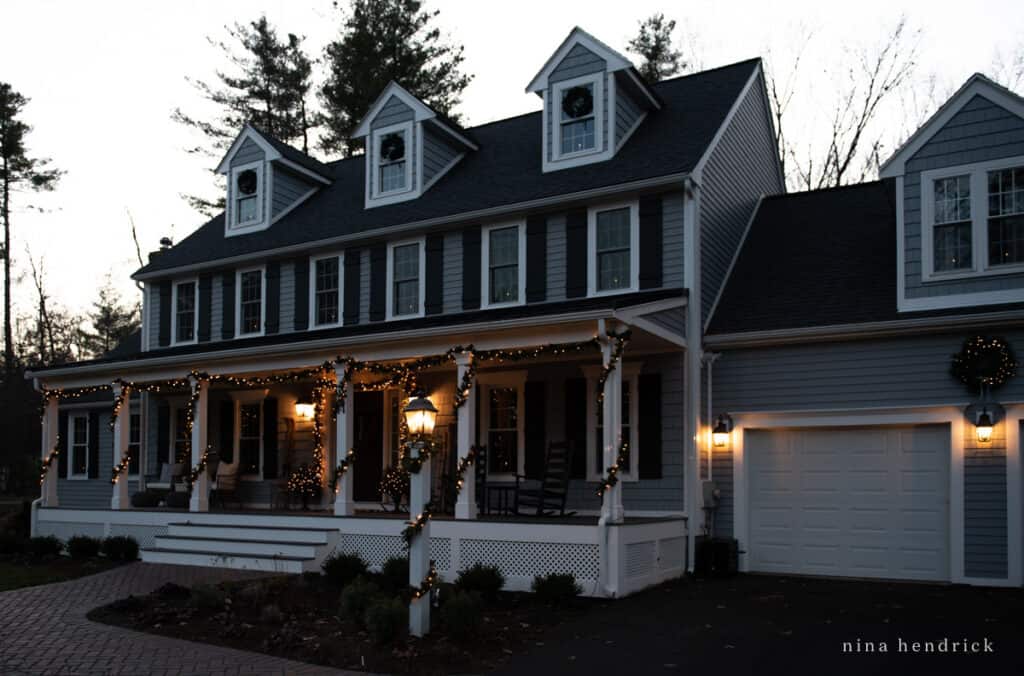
x,y
549,498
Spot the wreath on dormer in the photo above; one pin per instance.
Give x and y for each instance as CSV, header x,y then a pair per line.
x,y
984,362
247,182
392,148
577,102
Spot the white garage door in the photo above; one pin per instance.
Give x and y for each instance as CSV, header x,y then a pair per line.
x,y
854,501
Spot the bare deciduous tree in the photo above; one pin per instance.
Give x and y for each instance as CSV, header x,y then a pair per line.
x,y
1008,67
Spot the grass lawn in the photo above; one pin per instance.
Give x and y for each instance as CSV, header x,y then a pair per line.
x,y
17,574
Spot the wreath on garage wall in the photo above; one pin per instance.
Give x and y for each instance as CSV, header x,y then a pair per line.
x,y
984,362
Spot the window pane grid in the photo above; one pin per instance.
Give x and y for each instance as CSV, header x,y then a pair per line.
x,y
503,430
327,283
406,275
1006,240
392,176
79,445
251,295
952,247
392,157
185,311
613,249
1006,192
953,199
503,259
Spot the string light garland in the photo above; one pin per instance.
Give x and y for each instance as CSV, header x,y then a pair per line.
x,y
612,476
343,466
395,484
44,466
620,340
426,447
984,362
120,468
194,473
429,583
416,526
463,465
304,482
60,394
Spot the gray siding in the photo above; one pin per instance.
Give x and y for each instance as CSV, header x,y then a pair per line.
x,y
627,112
556,258
153,289
451,298
393,112
248,152
288,189
93,493
364,286
981,131
741,168
287,302
437,154
579,61
985,530
672,258
216,307
673,320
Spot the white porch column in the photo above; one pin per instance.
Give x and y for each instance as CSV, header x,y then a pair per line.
x,y
50,433
465,506
419,551
122,429
200,500
344,436
611,505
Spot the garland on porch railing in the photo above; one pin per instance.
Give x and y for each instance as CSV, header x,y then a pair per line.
x,y
120,468
44,465
612,476
462,466
620,340
415,527
429,582
343,466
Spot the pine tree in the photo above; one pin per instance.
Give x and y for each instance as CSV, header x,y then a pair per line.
x,y
111,321
18,171
270,91
654,45
381,41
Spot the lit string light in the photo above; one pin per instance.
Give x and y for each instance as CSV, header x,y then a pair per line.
x,y
612,475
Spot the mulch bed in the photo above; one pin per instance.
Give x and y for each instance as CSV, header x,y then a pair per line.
x,y
305,626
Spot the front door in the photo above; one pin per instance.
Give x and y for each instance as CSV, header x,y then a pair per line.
x,y
368,409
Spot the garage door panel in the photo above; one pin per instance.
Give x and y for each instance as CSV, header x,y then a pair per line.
x,y
867,502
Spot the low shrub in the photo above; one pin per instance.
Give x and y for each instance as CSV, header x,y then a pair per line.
x,y
145,499
271,614
10,543
484,580
121,548
170,591
556,588
44,547
176,499
207,597
83,547
341,569
462,614
395,574
386,620
356,598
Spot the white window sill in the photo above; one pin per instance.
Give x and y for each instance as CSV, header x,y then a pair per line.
x,y
177,343
612,292
496,306
78,477
972,273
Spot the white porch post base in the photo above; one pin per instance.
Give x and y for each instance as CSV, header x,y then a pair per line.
x,y
50,433
419,552
344,430
200,500
611,504
122,425
465,506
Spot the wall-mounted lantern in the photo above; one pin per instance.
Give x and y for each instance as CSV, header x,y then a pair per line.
x,y
304,407
983,427
721,430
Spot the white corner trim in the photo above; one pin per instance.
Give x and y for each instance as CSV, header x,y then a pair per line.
x,y
442,171
194,281
298,168
634,247
485,263
1014,503
698,169
294,205
339,256
901,249
390,278
629,132
732,263
262,269
659,331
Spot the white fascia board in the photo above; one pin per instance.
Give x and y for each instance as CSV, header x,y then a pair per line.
x,y
248,132
578,36
421,111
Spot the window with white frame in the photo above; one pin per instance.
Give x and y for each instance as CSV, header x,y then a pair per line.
x,y
326,291
595,426
613,244
250,302
247,185
179,436
186,312
391,159
1006,216
250,437
952,231
134,442
577,117
78,446
501,421
405,284
504,268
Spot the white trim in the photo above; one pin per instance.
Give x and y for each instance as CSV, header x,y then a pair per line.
x,y
634,248
298,168
577,35
390,279
901,254
485,261
264,184
1014,504
239,399
440,172
291,207
238,301
71,475
962,300
596,80
604,122
630,375
420,110
409,142
313,310
625,137
516,379
452,220
248,132
659,331
698,169
732,263
144,320
194,281
977,84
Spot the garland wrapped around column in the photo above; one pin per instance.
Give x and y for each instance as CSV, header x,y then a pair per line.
x,y
612,475
194,473
415,526
342,467
620,341
429,582
120,468
463,465
44,466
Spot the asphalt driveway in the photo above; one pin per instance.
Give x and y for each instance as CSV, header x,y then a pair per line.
x,y
778,625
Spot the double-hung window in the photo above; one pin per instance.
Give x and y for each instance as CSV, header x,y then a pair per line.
x,y
953,230
502,422
250,437
78,446
134,442
326,302
250,302
180,440
504,265
186,312
1006,216
247,190
405,284
577,115
390,155
613,247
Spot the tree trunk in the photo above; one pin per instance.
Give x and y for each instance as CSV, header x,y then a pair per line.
x,y
8,331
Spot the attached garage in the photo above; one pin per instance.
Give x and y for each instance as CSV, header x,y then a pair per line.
x,y
849,501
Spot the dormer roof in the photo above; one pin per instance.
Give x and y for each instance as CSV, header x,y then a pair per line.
x,y
275,150
421,113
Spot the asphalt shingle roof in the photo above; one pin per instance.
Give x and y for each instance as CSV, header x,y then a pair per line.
x,y
505,171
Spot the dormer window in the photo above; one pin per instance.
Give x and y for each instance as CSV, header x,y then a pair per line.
x,y
247,196
577,119
391,156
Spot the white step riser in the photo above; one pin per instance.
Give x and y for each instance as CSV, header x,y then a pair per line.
x,y
305,551
229,533
267,565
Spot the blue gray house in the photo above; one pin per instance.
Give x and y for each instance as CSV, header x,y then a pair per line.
x,y
581,293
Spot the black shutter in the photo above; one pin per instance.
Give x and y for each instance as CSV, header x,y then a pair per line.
x,y
576,425
227,326
301,294
270,438
62,443
650,242
273,312
378,281
164,331
94,445
227,431
576,254
433,294
471,268
536,259
205,309
649,434
535,409
163,433
351,312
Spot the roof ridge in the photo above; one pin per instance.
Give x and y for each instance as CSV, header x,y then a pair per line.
x,y
831,188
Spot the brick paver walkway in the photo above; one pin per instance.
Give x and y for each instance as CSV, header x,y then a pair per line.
x,y
43,630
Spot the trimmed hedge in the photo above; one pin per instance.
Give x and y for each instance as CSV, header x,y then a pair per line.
x,y
45,547
84,547
121,548
341,569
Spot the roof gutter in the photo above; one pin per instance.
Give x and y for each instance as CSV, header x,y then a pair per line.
x,y
839,332
450,219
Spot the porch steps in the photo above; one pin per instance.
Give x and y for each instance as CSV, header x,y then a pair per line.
x,y
263,548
